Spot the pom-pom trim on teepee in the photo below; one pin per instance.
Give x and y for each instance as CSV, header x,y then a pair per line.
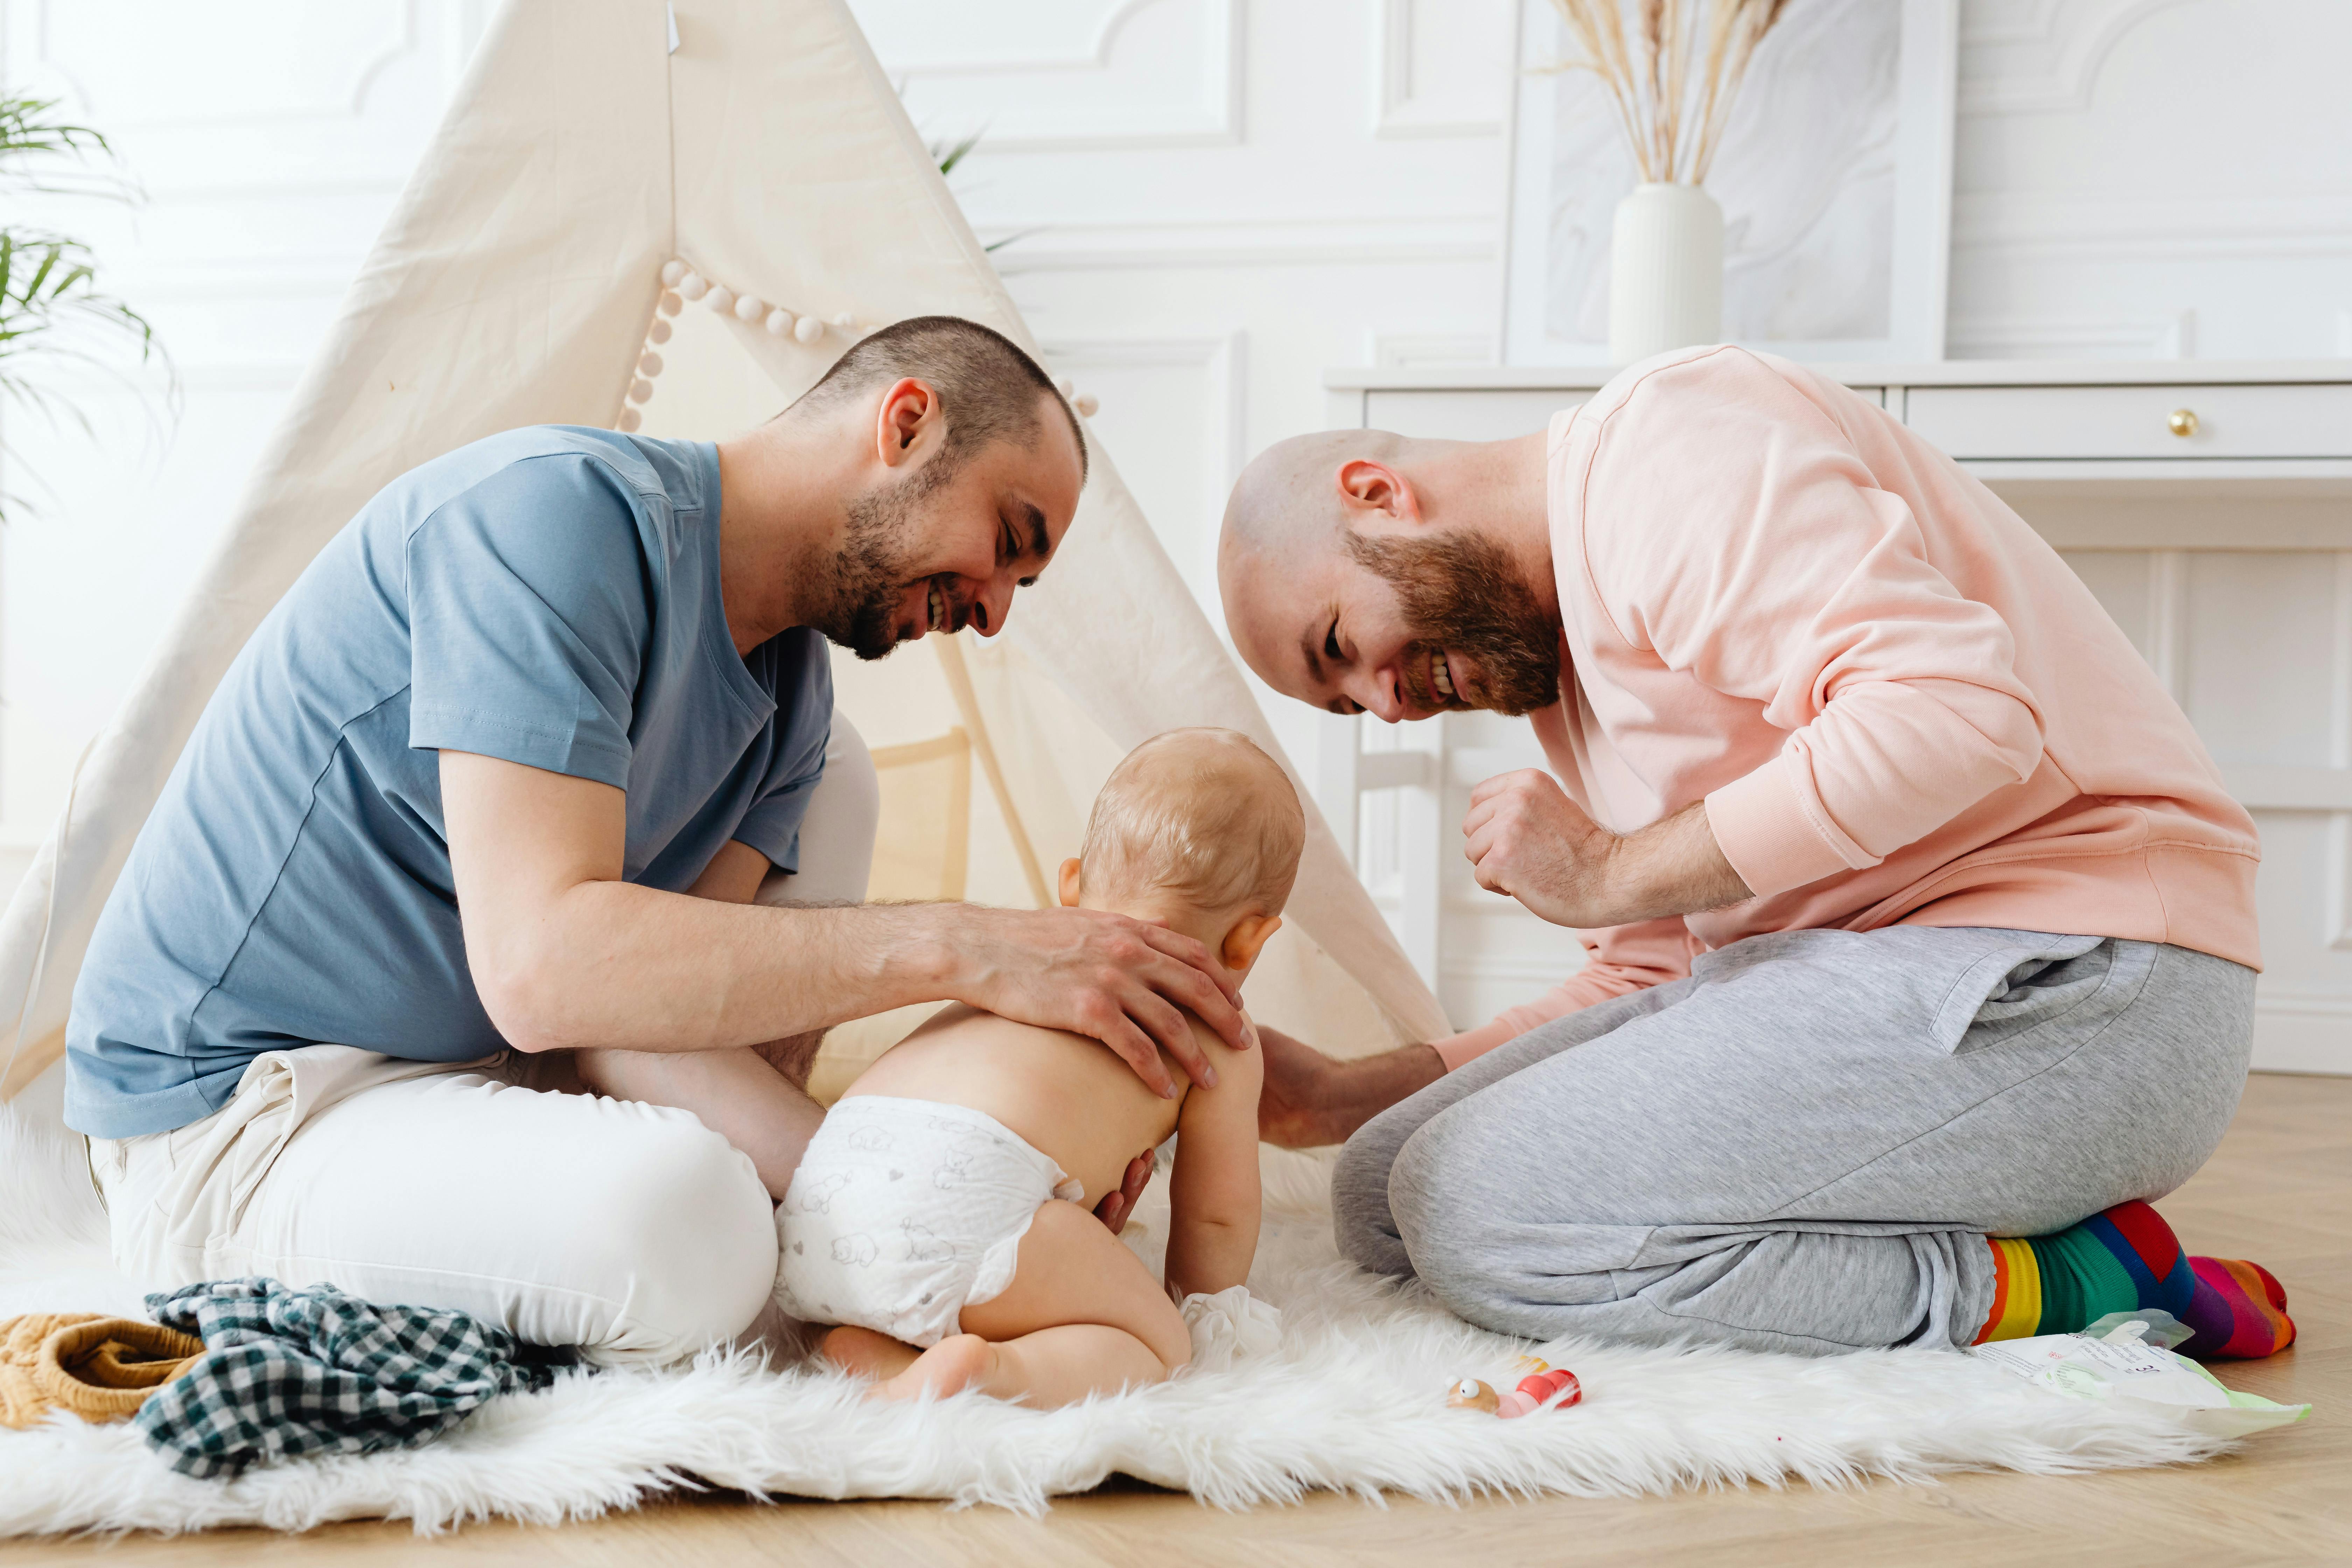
x,y
683,283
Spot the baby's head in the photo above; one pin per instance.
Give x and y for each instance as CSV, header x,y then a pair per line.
x,y
1198,828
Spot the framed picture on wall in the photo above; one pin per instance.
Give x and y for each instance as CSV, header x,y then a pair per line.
x,y
1835,176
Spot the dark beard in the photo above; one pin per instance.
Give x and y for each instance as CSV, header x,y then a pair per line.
x,y
1457,591
870,574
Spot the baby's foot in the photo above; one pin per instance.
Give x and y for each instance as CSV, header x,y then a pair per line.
x,y
951,1366
864,1353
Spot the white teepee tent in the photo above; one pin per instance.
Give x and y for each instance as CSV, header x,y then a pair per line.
x,y
591,141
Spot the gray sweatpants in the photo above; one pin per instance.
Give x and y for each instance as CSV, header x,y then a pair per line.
x,y
1802,1146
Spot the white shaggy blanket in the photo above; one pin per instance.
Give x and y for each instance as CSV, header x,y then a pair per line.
x,y
1351,1401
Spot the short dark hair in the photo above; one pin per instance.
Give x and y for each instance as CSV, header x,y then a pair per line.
x,y
988,387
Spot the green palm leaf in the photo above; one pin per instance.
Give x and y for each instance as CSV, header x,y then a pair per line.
x,y
52,310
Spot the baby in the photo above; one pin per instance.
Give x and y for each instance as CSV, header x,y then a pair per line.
x,y
940,1214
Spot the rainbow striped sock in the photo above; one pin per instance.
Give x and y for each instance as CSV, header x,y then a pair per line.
x,y
2126,1258
2239,1309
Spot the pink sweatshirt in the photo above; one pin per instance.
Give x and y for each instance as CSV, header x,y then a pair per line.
x,y
1899,705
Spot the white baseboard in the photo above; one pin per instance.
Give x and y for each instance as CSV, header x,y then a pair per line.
x,y
2304,1035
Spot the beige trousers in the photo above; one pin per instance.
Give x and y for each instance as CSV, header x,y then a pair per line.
x,y
631,1231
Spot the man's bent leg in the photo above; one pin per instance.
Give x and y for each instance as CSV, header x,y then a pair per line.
x,y
837,849
630,1231
756,1096
740,1094
1366,1229
1806,1151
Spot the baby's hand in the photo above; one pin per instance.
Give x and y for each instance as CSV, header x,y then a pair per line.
x,y
1116,1206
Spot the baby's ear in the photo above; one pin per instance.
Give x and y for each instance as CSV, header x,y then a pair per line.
x,y
1072,882
1246,941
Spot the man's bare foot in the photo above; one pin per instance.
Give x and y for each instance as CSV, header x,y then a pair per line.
x,y
866,1353
951,1366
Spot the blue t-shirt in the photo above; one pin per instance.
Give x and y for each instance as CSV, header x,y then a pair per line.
x,y
549,596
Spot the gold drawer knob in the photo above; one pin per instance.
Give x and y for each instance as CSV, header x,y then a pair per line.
x,y
2183,422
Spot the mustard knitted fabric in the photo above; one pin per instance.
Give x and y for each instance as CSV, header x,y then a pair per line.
x,y
101,1369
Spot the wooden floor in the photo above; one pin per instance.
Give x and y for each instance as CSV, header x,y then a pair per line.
x,y
2279,1191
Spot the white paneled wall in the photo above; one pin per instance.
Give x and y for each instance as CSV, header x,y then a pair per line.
x,y
2153,179
1215,200
2258,648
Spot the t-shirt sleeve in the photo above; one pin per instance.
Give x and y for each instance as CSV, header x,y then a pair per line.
x,y
529,610
804,720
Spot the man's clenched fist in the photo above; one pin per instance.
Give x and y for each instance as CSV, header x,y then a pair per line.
x,y
1527,839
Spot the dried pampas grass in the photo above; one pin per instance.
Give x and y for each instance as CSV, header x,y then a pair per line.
x,y
1673,117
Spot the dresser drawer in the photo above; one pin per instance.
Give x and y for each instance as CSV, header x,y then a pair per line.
x,y
2134,422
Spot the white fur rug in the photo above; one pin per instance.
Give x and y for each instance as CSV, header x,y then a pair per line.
x,y
1351,1401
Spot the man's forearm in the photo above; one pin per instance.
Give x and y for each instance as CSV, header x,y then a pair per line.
x,y
1373,1084
632,968
1310,1100
1673,866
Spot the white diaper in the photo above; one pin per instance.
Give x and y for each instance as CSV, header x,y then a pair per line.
x,y
904,1212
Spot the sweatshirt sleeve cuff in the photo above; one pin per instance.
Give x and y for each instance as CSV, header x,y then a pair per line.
x,y
1458,1050
1763,827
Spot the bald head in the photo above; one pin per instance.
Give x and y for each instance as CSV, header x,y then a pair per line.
x,y
1287,503
1363,571
1287,524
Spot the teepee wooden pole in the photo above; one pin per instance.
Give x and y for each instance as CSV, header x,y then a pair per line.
x,y
951,664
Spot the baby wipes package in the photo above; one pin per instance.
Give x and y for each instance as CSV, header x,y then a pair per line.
x,y
2123,1356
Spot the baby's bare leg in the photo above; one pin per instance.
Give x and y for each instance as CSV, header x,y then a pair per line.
x,y
1083,1315
867,1353
746,1095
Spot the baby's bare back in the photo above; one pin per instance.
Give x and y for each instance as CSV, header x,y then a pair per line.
x,y
1068,1096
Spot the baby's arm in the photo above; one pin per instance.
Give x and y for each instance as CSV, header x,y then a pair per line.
x,y
1213,1193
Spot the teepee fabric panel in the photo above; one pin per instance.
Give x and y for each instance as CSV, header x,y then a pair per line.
x,y
508,288
877,236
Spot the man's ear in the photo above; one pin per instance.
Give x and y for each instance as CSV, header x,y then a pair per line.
x,y
1369,486
1071,882
909,409
1246,941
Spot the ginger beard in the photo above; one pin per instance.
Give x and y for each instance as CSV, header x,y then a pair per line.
x,y
1458,592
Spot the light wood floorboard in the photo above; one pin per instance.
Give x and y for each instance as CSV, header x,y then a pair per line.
x,y
2280,1190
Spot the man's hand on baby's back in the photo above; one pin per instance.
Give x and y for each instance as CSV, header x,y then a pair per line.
x,y
1124,982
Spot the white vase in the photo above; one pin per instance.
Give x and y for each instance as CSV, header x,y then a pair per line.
x,y
1665,272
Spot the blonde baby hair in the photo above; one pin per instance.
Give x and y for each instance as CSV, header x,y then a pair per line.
x,y
1201,814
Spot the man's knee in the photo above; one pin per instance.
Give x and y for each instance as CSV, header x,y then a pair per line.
x,y
1444,1193
680,1235
1360,1204
844,811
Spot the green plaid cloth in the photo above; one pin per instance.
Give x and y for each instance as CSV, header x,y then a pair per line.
x,y
288,1373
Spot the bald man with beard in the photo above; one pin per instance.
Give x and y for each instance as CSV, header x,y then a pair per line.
x,y
1914,912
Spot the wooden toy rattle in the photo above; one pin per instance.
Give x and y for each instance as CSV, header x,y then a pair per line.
x,y
1535,1388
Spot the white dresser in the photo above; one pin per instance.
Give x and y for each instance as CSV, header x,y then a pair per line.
x,y
2208,504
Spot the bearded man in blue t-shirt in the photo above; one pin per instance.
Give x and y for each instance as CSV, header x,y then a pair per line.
x,y
475,953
